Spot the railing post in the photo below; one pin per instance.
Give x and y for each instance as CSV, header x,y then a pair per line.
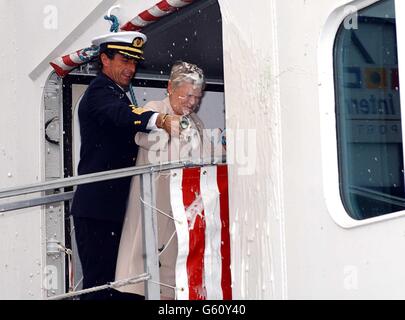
x,y
150,237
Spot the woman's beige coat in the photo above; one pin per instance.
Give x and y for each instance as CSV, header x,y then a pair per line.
x,y
130,261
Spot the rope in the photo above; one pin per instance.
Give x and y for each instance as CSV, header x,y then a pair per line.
x,y
69,254
168,243
115,24
175,289
89,53
131,91
160,211
164,285
111,285
78,284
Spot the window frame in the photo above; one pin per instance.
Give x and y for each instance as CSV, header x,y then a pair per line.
x,y
327,105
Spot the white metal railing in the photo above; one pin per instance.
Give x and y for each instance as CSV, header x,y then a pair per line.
x,y
58,184
103,176
151,277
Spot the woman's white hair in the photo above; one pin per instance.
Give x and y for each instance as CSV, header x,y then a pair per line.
x,y
187,72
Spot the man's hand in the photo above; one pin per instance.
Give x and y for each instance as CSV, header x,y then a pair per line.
x,y
170,123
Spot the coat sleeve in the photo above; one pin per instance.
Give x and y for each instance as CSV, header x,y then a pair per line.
x,y
153,141
108,105
156,139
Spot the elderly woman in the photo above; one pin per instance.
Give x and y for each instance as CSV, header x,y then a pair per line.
x,y
185,90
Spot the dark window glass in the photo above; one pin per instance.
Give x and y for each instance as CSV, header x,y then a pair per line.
x,y
368,114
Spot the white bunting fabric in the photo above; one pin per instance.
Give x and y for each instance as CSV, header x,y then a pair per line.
x,y
199,200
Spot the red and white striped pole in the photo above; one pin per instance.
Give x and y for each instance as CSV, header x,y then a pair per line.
x,y
153,14
64,65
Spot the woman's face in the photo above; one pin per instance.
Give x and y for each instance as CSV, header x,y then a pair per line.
x,y
185,98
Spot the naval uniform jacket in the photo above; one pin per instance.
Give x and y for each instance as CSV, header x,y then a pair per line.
x,y
108,123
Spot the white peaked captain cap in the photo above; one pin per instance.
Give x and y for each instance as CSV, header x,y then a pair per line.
x,y
128,43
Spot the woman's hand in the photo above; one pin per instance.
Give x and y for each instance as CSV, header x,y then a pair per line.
x,y
170,123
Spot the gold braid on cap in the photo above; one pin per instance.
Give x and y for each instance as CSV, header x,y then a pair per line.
x,y
113,46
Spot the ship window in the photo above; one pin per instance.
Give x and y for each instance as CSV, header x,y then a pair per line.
x,y
368,114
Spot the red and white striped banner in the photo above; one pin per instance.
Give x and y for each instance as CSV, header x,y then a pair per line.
x,y
64,65
199,199
153,14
